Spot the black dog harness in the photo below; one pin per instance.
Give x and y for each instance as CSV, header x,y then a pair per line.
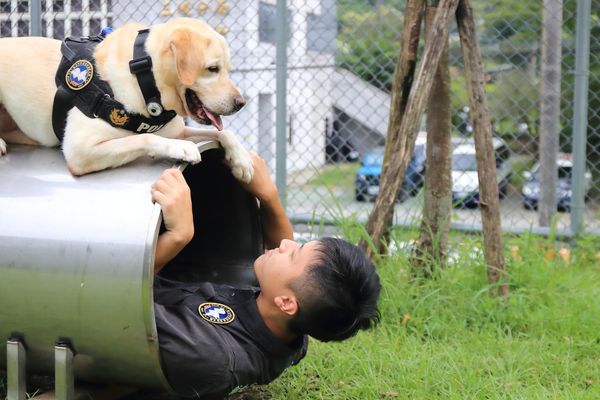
x,y
78,85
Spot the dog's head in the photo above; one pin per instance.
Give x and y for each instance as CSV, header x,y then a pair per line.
x,y
198,69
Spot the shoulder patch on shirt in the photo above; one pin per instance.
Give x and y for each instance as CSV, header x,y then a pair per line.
x,y
79,75
216,313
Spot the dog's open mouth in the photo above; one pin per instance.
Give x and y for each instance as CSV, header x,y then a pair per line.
x,y
200,112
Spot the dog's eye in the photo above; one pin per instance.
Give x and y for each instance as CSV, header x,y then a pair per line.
x,y
214,69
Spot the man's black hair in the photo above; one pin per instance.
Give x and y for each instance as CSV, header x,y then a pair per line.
x,y
338,294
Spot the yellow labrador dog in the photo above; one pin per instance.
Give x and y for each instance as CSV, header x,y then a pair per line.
x,y
108,113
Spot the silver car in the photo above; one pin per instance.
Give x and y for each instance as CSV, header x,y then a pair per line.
x,y
465,182
531,187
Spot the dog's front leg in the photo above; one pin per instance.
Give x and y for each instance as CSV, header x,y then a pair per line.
x,y
115,152
235,154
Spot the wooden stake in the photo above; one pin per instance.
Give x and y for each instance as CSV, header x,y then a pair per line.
x,y
486,161
432,246
395,165
405,70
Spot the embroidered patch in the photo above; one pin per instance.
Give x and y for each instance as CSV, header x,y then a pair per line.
x,y
216,313
80,74
118,117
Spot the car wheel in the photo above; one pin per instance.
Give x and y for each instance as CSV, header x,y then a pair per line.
x,y
415,190
472,205
403,195
529,205
503,192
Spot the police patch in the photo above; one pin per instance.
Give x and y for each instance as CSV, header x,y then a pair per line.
x,y
118,117
216,313
79,75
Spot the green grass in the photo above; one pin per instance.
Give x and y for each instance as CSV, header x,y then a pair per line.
x,y
456,342
446,338
339,174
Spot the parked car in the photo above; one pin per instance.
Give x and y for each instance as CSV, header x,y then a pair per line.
x,y
465,183
531,187
366,183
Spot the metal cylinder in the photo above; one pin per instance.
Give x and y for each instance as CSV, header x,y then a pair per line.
x,y
76,264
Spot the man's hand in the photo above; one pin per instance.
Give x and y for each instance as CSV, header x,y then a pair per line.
x,y
173,194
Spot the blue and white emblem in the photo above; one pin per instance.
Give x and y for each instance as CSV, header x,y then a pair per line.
x,y
79,75
216,313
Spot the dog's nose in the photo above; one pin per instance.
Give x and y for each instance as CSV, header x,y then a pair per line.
x,y
239,102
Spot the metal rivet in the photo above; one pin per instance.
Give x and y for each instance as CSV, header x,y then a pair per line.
x,y
154,109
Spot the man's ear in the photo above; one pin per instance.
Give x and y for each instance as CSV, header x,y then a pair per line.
x,y
289,305
188,51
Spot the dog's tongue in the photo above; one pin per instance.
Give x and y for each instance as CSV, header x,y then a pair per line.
x,y
215,119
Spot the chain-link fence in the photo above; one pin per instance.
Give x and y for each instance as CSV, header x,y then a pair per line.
x,y
340,60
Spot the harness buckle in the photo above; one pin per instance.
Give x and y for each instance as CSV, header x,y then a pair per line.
x,y
98,103
140,65
154,107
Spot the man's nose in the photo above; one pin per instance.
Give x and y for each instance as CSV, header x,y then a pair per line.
x,y
287,244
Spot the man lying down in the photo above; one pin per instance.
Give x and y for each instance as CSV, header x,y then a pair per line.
x,y
214,338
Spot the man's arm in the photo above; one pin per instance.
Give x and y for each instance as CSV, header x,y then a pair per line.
x,y
275,223
173,194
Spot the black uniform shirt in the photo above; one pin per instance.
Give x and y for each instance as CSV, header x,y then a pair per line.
x,y
204,359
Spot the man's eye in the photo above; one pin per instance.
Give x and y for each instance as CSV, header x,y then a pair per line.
x,y
213,69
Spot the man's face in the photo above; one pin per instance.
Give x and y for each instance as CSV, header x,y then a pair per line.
x,y
278,268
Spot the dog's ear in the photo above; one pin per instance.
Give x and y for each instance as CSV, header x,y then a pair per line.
x,y
188,51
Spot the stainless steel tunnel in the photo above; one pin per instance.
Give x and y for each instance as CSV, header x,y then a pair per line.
x,y
76,258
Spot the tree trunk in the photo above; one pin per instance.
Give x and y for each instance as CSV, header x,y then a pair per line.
x,y
549,109
399,155
403,79
433,242
486,161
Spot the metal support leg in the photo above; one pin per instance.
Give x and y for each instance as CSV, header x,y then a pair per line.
x,y
15,365
64,381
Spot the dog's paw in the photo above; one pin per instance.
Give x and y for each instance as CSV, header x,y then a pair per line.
x,y
241,164
3,148
185,151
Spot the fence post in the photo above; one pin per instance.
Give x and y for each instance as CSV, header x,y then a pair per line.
x,y
580,114
281,100
35,17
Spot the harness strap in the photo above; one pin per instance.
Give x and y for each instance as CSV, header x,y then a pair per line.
x,y
141,67
78,85
63,100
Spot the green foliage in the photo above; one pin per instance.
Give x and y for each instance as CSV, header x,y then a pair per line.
x,y
361,6
513,99
458,90
517,20
368,44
